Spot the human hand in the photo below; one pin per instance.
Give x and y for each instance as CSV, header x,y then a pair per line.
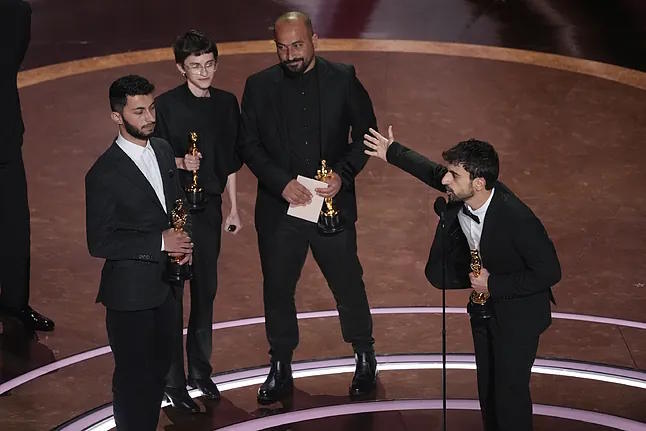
x,y
232,223
333,186
480,283
296,193
192,162
378,143
177,242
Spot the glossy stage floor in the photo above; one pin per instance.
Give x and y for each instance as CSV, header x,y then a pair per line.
x,y
558,87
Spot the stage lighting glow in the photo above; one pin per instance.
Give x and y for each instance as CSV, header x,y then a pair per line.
x,y
254,377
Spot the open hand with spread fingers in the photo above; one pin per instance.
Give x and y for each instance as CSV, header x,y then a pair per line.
x,y
377,143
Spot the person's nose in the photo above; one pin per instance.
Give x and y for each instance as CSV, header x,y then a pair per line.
x,y
446,179
150,116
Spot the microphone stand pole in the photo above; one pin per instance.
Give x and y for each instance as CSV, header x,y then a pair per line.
x,y
444,271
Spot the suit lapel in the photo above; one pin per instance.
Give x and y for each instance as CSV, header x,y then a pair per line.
x,y
326,98
489,223
278,104
167,172
129,169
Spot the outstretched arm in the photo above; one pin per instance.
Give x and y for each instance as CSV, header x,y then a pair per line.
x,y
386,148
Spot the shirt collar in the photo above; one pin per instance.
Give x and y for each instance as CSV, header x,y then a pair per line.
x,y
133,150
480,212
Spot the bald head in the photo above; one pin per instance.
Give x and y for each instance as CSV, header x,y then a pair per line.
x,y
294,17
295,42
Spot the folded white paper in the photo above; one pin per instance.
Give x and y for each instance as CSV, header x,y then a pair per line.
x,y
309,212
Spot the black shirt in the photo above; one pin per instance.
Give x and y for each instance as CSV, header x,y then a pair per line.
x,y
302,107
215,119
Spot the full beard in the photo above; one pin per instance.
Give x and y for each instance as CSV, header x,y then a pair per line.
x,y
137,133
296,67
456,198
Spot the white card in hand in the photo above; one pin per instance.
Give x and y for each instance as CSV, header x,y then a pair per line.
x,y
309,212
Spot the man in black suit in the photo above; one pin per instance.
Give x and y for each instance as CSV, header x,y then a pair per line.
x,y
295,114
15,28
519,267
130,192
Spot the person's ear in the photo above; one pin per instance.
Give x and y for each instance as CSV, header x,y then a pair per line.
x,y
180,67
116,118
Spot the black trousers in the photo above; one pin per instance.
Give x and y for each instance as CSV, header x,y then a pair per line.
x,y
206,233
504,361
282,255
14,220
141,345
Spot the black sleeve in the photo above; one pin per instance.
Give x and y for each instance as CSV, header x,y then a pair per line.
x,y
420,167
23,29
106,236
233,122
542,268
362,117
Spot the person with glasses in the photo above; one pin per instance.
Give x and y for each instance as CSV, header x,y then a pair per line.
x,y
196,106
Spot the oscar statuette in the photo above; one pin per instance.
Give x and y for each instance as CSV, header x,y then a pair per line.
x,y
177,273
194,193
479,306
330,220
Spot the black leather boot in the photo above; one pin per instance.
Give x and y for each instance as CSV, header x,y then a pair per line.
x,y
208,388
31,318
364,381
179,398
279,383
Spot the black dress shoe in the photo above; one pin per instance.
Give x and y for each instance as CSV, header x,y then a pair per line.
x,y
208,388
279,383
31,318
364,381
179,398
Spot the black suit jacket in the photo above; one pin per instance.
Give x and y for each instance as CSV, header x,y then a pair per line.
x,y
514,247
125,221
15,31
263,139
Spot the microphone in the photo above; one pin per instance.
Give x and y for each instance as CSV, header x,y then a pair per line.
x,y
440,206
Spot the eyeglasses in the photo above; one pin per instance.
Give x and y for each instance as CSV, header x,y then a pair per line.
x,y
208,67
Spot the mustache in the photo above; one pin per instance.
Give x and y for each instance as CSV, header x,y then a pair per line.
x,y
295,60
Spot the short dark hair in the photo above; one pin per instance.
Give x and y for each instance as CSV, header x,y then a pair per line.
x,y
193,42
295,16
478,158
129,85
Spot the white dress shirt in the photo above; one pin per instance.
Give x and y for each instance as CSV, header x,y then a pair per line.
x,y
471,229
146,161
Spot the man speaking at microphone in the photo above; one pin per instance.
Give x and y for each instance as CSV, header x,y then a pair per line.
x,y
516,266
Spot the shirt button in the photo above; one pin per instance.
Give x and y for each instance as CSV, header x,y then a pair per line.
x,y
304,108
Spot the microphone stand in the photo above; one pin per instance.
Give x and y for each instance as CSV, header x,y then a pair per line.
x,y
440,209
443,322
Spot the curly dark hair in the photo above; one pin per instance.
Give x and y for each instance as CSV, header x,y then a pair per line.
x,y
129,85
478,158
193,42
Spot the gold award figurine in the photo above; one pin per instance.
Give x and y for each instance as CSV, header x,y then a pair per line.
x,y
178,273
330,220
479,306
194,193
